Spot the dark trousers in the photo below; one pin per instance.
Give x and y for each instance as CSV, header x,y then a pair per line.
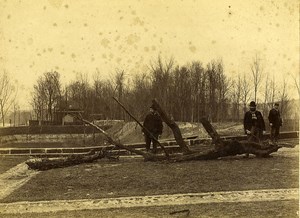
x,y
256,135
148,141
274,133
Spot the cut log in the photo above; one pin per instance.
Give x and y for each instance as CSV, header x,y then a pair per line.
x,y
216,139
230,148
51,163
174,127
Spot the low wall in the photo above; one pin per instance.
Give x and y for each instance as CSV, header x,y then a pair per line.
x,y
31,130
82,139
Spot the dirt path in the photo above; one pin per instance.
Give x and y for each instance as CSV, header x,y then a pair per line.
x,y
149,201
14,178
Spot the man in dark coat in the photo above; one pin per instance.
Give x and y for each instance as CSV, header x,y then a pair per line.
x,y
254,124
153,123
275,122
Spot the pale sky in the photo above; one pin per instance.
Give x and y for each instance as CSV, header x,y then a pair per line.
x,y
86,36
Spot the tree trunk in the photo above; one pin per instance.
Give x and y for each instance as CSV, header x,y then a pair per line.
x,y
171,123
211,131
51,163
2,113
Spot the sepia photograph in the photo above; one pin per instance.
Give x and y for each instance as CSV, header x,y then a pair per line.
x,y
136,108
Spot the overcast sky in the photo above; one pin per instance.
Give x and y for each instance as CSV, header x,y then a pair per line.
x,y
99,35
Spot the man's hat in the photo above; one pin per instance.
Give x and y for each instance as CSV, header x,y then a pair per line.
x,y
252,104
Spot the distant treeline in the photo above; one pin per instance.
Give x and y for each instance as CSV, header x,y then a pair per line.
x,y
186,92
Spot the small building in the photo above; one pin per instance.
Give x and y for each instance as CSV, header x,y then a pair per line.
x,y
67,120
68,117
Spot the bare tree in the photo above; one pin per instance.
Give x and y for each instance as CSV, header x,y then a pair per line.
x,y
47,93
7,95
104,90
284,99
223,88
197,91
140,94
236,96
297,82
273,93
212,90
38,101
181,93
269,94
257,73
81,94
161,74
119,81
246,91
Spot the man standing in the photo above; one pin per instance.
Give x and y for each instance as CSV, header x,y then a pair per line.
x,y
275,122
254,124
153,123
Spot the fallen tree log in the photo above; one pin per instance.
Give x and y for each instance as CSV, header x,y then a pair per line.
x,y
174,127
51,163
216,139
222,148
230,148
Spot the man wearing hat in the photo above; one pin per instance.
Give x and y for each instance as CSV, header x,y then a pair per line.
x,y
254,124
153,123
275,122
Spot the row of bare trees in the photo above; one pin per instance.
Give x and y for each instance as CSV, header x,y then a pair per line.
x,y
47,96
187,92
248,87
8,93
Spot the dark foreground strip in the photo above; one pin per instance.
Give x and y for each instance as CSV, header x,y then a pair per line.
x,y
150,201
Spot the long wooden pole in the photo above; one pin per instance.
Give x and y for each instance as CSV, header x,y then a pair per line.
x,y
145,129
146,155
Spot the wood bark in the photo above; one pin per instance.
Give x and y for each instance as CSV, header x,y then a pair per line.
x,y
174,127
51,163
216,139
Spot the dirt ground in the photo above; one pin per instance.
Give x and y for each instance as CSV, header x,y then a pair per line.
x,y
134,177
